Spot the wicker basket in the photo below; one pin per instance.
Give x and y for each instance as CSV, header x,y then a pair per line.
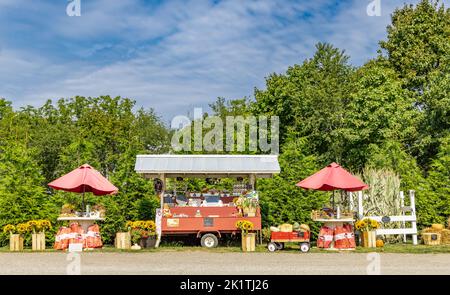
x,y
315,214
347,215
431,239
319,214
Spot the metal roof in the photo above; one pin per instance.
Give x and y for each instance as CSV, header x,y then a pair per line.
x,y
207,165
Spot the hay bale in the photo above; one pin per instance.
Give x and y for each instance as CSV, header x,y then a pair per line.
x,y
431,239
437,226
430,230
445,236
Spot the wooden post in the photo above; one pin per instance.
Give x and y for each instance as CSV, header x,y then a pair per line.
x,y
412,203
402,204
351,202
252,179
161,197
360,205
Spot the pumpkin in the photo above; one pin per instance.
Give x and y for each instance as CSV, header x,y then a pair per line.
x,y
379,243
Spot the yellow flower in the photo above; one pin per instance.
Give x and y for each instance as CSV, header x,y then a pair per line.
x,y
129,224
47,224
150,225
9,228
374,223
43,224
22,228
244,225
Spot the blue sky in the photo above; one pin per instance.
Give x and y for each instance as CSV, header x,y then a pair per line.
x,y
171,55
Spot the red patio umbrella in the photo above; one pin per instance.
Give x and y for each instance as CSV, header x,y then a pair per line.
x,y
82,180
331,178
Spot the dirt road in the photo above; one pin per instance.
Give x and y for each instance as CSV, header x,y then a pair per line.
x,y
200,262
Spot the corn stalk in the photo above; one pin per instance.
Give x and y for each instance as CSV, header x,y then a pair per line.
x,y
382,197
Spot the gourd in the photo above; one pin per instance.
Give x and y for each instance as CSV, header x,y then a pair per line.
x,y
379,243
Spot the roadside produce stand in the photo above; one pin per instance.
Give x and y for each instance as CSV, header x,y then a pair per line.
x,y
337,232
82,228
206,215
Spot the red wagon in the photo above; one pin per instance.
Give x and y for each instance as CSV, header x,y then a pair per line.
x,y
277,240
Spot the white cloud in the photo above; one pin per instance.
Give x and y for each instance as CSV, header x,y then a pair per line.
x,y
180,55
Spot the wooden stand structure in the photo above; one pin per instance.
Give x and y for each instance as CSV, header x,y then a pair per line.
x,y
197,219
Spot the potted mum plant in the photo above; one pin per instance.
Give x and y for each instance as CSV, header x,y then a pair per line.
x,y
367,228
248,239
148,239
142,233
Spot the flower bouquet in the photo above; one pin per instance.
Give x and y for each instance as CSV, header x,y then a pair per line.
x,y
367,227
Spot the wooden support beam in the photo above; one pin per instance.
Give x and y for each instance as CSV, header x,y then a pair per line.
x,y
162,177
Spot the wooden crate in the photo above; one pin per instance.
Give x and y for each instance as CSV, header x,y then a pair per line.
x,y
15,242
123,240
431,238
369,239
249,242
38,242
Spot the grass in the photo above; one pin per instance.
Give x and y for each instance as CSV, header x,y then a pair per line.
x,y
290,248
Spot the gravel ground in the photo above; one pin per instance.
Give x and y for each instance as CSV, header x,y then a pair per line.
x,y
200,262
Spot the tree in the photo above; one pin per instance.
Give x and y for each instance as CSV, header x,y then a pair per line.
x,y
379,110
439,179
281,201
417,42
418,49
310,100
22,196
56,138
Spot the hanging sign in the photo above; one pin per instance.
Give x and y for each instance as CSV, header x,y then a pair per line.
x,y
173,222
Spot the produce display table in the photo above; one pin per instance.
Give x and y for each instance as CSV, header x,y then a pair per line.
x,y
85,232
333,223
84,222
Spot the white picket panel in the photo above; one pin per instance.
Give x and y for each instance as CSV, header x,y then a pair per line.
x,y
396,231
395,218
